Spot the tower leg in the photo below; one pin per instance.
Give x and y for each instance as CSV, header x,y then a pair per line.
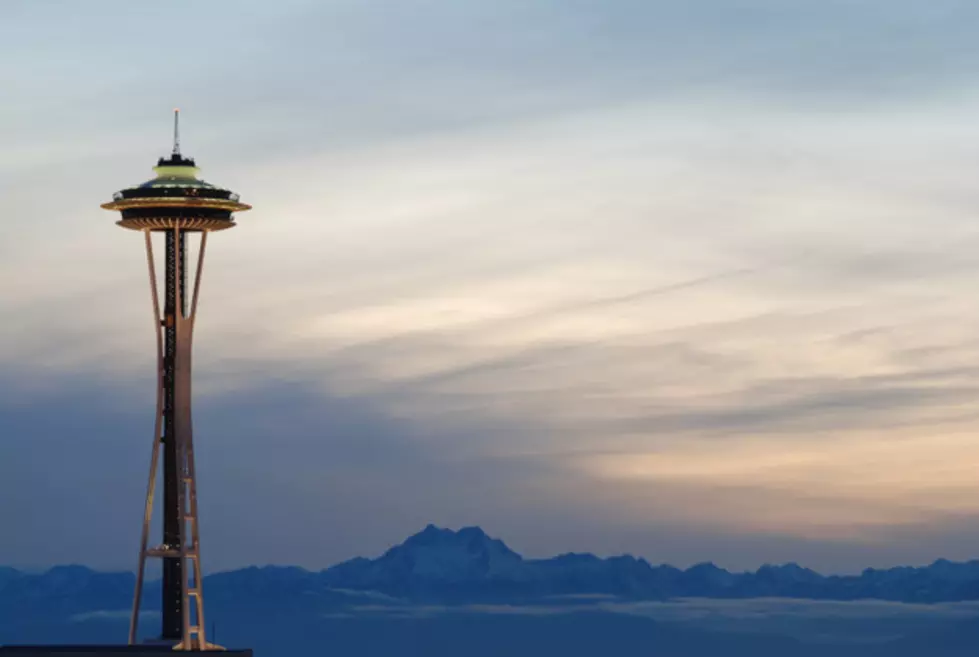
x,y
155,457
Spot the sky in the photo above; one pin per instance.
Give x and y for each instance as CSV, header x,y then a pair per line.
x,y
687,280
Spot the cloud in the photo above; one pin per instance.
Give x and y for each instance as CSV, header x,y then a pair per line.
x,y
112,615
702,267
860,622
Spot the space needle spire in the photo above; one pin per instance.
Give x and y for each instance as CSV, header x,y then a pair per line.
x,y
176,131
173,209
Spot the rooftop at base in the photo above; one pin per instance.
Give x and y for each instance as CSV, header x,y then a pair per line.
x,y
93,650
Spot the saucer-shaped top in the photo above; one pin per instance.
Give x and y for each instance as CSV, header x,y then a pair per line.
x,y
176,198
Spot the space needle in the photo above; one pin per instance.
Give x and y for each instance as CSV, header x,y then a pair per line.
x,y
175,208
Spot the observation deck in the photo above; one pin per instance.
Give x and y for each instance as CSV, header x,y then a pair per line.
x,y
176,198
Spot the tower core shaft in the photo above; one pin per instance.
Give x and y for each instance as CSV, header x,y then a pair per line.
x,y
176,405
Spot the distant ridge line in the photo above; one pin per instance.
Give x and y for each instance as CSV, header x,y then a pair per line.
x,y
467,566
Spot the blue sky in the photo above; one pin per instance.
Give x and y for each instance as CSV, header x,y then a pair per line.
x,y
689,280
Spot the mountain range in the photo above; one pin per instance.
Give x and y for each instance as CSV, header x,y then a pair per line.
x,y
449,593
441,566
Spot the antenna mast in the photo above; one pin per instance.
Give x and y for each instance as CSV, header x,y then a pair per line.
x,y
176,131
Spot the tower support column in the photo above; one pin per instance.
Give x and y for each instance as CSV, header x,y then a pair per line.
x,y
182,590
